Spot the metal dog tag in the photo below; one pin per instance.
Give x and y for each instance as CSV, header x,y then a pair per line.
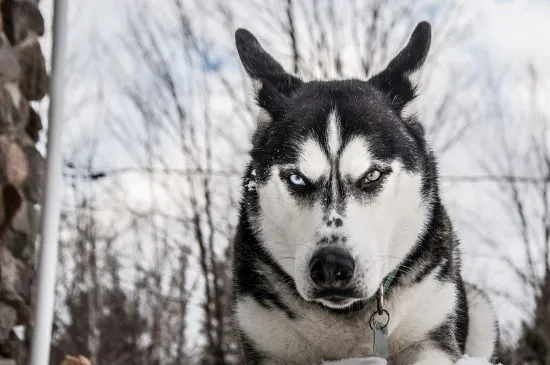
x,y
380,340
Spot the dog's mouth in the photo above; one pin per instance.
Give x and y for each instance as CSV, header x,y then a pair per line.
x,y
336,298
337,302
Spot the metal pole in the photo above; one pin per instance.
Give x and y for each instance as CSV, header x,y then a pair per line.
x,y
43,316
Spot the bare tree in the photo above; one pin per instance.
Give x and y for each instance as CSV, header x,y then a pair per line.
x,y
180,116
516,163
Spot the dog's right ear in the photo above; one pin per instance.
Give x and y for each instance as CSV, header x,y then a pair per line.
x,y
272,83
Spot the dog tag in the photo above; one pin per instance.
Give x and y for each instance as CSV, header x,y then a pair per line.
x,y
380,340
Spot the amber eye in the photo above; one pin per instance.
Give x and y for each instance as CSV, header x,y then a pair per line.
x,y
373,176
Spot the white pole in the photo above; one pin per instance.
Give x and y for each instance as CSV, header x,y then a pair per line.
x,y
43,316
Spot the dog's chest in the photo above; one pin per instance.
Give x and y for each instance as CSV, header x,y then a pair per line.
x,y
313,336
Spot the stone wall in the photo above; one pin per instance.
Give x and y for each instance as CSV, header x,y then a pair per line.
x,y
23,78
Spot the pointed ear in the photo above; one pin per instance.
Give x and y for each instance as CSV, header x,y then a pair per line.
x,y
272,83
395,80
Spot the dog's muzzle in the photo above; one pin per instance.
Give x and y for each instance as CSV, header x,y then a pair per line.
x,y
331,271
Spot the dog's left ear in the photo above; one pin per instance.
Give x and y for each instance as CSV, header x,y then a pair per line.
x,y
395,80
272,83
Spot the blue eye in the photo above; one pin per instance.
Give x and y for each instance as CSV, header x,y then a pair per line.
x,y
296,179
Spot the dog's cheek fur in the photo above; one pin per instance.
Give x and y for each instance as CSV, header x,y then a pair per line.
x,y
265,329
384,230
287,228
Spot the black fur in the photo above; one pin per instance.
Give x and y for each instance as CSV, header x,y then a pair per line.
x,y
251,355
248,278
394,79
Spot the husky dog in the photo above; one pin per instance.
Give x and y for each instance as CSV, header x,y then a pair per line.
x,y
340,195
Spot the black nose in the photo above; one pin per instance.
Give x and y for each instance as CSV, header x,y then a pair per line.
x,y
331,268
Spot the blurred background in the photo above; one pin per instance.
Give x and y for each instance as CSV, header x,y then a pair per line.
x,y
157,123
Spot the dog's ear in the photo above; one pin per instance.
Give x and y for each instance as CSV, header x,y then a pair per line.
x,y
272,84
395,80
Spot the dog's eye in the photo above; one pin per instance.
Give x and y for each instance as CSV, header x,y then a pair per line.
x,y
373,176
297,180
372,179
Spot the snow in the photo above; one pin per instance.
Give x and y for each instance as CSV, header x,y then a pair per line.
x,y
251,182
251,185
358,361
466,360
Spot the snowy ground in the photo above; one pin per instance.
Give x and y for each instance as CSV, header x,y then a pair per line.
x,y
472,361
466,360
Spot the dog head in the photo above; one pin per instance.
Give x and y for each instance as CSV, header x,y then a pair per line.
x,y
338,190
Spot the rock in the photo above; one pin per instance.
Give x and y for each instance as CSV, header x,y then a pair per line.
x,y
34,125
20,221
14,285
34,185
12,274
20,114
34,81
23,77
16,346
20,106
9,64
8,318
17,168
13,161
35,2
20,244
80,360
27,21
6,113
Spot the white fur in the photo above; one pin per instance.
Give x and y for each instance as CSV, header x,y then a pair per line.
x,y
433,356
287,231
482,335
313,162
264,326
256,86
333,142
263,118
333,134
14,92
355,159
416,311
382,231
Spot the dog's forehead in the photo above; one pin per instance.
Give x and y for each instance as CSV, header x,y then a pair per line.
x,y
356,99
325,117
360,111
336,113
